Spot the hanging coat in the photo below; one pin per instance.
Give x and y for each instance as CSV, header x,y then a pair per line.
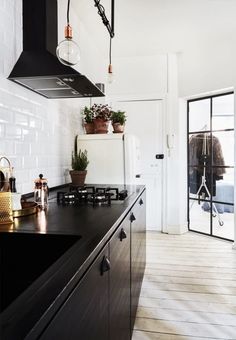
x,y
204,151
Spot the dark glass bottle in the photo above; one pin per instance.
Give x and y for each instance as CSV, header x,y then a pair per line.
x,y
12,182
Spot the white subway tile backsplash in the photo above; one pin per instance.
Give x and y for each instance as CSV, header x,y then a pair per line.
x,y
6,116
29,162
29,135
21,119
22,149
35,123
2,132
13,132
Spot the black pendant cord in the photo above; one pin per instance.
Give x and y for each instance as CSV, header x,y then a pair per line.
x,y
101,12
110,51
68,12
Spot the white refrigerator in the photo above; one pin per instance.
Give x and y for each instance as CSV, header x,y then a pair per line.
x,y
113,158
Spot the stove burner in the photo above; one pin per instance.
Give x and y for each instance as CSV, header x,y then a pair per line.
x,y
90,194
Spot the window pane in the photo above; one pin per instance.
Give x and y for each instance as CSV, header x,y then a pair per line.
x,y
223,149
223,112
225,190
197,185
199,216
224,229
199,115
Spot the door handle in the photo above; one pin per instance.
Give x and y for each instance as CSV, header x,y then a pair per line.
x,y
140,201
105,265
132,217
122,234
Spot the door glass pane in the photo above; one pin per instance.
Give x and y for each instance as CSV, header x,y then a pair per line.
x,y
225,188
223,112
199,215
223,224
199,115
223,149
198,184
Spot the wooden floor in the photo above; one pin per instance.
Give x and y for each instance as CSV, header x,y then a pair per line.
x,y
189,289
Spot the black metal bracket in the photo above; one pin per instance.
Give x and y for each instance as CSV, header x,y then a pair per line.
x,y
101,11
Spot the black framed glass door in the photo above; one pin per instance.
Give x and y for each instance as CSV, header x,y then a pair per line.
x,y
211,165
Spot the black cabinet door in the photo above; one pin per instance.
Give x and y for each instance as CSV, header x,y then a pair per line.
x,y
120,283
138,252
85,313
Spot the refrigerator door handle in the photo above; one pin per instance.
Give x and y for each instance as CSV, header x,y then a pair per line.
x,y
138,175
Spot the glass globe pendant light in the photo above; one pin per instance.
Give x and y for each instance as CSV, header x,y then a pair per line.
x,y
68,50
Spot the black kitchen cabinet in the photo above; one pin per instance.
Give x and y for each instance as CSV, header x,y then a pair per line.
x,y
85,313
100,301
138,252
120,283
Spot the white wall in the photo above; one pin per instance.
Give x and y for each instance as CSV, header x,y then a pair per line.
x,y
139,76
176,178
207,67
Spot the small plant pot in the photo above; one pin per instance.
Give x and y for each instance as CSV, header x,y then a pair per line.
x,y
89,128
78,177
101,126
118,128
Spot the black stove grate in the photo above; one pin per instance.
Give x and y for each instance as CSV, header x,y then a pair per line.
x,y
90,195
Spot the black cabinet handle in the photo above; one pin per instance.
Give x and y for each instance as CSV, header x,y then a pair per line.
x,y
132,217
140,201
105,265
122,234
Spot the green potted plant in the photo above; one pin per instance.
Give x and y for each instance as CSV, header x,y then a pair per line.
x,y
88,118
79,165
118,119
102,114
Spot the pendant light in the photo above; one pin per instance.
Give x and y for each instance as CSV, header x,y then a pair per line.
x,y
110,28
68,51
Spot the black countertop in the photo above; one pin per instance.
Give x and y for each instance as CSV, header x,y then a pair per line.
x,y
84,229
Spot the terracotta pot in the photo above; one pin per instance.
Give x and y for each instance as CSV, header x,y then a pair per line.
x,y
101,126
78,177
118,128
89,128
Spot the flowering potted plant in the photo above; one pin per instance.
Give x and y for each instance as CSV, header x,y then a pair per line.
x,y
118,119
88,117
102,114
79,163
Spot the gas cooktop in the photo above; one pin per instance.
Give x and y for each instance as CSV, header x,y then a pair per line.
x,y
78,195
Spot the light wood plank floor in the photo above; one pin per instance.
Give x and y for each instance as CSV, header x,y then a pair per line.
x,y
189,289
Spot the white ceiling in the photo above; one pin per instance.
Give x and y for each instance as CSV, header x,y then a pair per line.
x,y
148,27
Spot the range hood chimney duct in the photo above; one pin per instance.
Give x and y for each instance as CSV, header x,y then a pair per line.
x,y
38,68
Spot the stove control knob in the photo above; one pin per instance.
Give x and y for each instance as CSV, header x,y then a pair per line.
x,y
132,217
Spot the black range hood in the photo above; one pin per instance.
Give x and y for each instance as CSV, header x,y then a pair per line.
x,y
38,68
